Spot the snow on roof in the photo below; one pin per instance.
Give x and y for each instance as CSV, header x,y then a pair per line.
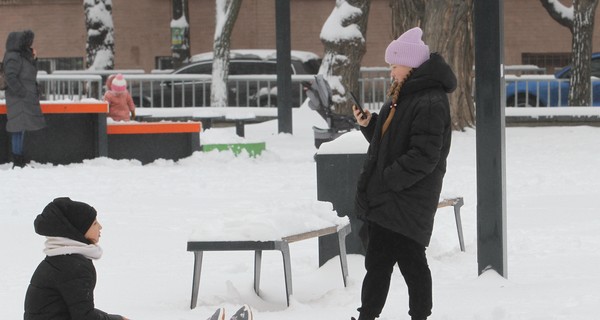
x,y
262,54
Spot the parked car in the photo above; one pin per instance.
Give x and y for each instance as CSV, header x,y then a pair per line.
x,y
548,90
187,93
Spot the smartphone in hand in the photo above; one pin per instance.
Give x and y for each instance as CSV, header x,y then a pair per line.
x,y
357,104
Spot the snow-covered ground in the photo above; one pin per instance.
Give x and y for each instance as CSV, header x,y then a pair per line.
x,y
149,212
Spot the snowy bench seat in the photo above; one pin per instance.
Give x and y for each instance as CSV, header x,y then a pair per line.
x,y
282,244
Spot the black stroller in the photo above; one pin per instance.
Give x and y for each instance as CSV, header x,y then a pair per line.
x,y
319,95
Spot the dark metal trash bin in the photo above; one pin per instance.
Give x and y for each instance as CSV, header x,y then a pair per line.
x,y
337,176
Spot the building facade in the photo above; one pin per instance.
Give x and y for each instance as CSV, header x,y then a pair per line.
x,y
143,35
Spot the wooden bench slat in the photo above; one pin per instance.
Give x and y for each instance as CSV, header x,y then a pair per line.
x,y
311,234
448,202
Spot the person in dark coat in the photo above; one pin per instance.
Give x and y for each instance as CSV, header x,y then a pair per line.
x,y
400,184
22,96
62,286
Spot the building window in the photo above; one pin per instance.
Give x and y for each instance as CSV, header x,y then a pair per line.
x,y
51,64
551,61
163,62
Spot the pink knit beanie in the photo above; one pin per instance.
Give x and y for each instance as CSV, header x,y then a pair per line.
x,y
119,83
408,50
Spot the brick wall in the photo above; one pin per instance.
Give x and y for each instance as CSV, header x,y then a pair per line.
x,y
142,28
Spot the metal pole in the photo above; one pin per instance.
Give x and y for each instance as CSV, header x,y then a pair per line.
x,y
490,139
284,62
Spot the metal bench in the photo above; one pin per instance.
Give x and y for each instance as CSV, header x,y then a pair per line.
x,y
198,247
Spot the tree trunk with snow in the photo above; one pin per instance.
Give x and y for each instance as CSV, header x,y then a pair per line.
x,y
180,33
100,46
344,38
227,12
448,29
579,18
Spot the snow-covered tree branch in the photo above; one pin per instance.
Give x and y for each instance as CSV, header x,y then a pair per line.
x,y
344,38
100,46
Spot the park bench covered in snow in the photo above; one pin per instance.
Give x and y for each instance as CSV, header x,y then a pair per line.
x,y
268,231
149,141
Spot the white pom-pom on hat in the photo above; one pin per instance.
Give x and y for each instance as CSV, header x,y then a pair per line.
x,y
119,83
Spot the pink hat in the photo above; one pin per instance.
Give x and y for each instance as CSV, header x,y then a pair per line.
x,y
119,83
408,50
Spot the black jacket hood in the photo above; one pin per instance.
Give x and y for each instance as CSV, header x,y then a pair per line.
x,y
434,72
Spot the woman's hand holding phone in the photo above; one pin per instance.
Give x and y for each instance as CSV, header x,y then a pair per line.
x,y
363,117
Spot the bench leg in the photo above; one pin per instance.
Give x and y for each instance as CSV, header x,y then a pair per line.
x,y
287,269
461,240
196,278
257,266
239,128
342,245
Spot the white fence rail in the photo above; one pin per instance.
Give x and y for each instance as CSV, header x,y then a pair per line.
x,y
158,90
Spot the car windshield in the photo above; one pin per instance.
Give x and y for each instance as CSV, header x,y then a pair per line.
x,y
236,67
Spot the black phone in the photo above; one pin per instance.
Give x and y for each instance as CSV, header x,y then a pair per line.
x,y
357,104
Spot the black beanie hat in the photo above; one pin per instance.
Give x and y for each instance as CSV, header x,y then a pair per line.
x,y
64,217
81,215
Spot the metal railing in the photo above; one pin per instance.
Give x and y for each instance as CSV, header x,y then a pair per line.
x,y
70,87
159,90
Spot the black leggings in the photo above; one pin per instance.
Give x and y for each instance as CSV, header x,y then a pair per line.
x,y
385,249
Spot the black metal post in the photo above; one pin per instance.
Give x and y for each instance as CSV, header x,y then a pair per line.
x,y
490,139
284,61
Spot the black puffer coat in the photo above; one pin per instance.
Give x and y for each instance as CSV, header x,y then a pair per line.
x,y
62,287
401,181
22,96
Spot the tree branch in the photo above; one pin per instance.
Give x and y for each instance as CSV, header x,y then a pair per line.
x,y
559,12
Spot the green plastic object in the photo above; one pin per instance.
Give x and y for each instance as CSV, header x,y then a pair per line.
x,y
253,149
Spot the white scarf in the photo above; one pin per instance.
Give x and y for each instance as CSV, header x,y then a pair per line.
x,y
56,246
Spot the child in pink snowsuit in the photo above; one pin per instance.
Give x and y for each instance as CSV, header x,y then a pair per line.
x,y
120,103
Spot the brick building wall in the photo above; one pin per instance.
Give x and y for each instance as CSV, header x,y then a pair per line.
x,y
142,28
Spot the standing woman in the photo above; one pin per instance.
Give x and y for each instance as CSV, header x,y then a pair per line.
x,y
22,96
399,187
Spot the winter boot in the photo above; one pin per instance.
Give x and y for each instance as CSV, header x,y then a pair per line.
x,y
18,161
218,315
244,313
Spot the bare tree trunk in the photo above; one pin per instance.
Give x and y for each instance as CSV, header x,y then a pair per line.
x,y
100,45
227,12
579,18
180,33
406,14
448,29
344,53
581,46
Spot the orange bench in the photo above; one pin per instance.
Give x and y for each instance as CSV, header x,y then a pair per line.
x,y
75,131
149,141
68,107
